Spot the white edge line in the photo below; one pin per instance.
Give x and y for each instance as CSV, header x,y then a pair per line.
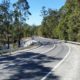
x,y
35,48
44,78
45,51
25,50
49,49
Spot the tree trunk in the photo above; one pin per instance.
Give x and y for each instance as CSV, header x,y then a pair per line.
x,y
8,43
19,44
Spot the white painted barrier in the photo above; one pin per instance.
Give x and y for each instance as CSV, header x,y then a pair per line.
x,y
27,43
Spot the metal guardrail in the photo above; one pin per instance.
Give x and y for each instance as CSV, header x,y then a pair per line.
x,y
72,42
77,43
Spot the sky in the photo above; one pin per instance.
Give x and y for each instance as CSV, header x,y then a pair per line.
x,y
36,6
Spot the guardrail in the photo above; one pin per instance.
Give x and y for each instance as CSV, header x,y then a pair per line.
x,y
72,42
77,43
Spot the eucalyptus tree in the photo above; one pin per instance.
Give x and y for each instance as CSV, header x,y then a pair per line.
x,y
13,15
5,20
20,14
44,14
69,24
49,22
52,22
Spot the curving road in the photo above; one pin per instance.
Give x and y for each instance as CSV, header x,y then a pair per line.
x,y
70,68
46,62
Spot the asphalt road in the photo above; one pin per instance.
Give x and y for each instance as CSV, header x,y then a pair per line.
x,y
70,68
35,64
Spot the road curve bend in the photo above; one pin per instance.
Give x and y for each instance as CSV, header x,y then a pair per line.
x,y
70,68
40,63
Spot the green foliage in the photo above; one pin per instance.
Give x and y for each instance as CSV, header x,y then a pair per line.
x,y
49,23
11,21
62,24
70,23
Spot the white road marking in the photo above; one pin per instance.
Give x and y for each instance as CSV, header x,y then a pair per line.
x,y
44,78
25,50
43,52
49,49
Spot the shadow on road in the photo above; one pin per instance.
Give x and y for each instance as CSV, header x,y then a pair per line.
x,y
23,67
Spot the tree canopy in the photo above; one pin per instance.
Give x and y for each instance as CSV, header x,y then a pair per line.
x,y
61,24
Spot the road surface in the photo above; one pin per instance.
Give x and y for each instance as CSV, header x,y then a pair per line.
x,y
70,68
46,62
